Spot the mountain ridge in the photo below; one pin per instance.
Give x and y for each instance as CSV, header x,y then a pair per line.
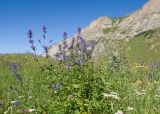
x,y
146,18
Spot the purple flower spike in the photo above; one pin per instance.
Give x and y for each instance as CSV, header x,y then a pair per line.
x,y
14,68
84,44
31,41
65,46
64,57
18,78
93,47
72,43
79,30
56,86
40,41
65,35
16,103
44,37
44,29
45,48
33,47
78,43
79,62
30,34
60,48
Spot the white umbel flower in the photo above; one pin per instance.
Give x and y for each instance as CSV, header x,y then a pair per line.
x,y
158,96
30,97
129,108
113,95
12,102
31,110
119,112
143,92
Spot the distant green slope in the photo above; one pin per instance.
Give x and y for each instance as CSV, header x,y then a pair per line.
x,y
145,47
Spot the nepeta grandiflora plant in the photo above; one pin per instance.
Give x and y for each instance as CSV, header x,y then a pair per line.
x,y
31,41
75,52
43,44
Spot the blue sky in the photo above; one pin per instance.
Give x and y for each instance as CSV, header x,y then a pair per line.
x,y
17,16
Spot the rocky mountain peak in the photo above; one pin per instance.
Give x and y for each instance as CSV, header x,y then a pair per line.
x,y
95,29
151,6
101,22
146,18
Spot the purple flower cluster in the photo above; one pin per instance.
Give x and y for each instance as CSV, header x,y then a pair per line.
x,y
44,29
43,43
72,43
30,34
74,53
31,41
56,86
78,50
14,68
62,48
44,46
17,103
15,71
155,65
65,45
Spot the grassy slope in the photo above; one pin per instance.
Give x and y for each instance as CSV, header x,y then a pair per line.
x,y
32,78
38,84
145,47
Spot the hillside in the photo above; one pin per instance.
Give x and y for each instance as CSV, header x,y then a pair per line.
x,y
122,28
103,88
145,47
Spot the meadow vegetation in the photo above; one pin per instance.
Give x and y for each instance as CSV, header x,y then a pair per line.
x,y
73,83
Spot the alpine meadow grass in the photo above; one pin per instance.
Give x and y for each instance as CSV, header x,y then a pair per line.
x,y
74,83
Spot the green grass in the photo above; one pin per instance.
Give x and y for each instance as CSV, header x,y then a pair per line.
x,y
145,47
87,88
82,87
111,29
